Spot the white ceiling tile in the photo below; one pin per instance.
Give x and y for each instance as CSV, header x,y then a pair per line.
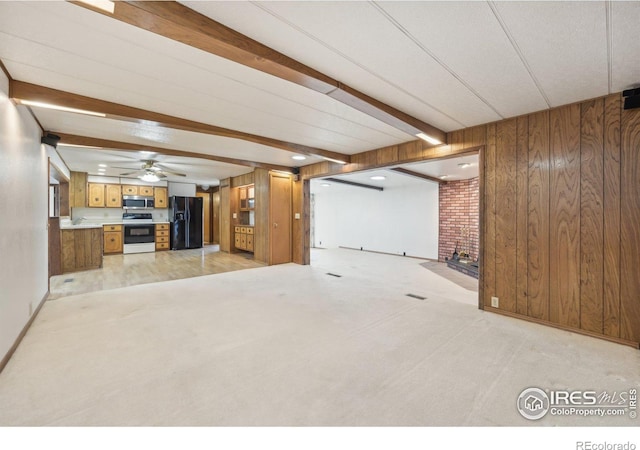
x,y
564,43
483,58
625,20
255,22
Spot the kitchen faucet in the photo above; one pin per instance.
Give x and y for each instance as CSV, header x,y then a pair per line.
x,y
77,220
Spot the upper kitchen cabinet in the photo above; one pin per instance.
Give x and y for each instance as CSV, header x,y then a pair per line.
x,y
78,190
129,189
145,191
105,195
160,196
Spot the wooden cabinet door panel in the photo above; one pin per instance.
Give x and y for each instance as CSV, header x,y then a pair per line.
x,y
114,196
128,189
113,242
160,196
96,195
147,191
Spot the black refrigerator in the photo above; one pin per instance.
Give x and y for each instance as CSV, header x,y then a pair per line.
x,y
185,217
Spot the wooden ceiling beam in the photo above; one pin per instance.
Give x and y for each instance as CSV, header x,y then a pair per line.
x,y
180,23
21,90
411,173
353,183
105,144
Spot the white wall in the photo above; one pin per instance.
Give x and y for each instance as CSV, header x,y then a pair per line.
x,y
23,224
182,189
397,220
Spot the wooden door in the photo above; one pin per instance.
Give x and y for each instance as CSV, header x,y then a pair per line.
x,y
114,196
206,212
96,195
280,218
215,200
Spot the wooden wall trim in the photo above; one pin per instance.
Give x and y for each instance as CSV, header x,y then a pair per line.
x,y
14,347
633,344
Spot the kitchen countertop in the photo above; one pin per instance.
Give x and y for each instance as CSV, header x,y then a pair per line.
x,y
67,225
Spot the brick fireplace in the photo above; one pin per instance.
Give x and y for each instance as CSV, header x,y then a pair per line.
x,y
459,218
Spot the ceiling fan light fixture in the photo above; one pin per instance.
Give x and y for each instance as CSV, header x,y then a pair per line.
x,y
149,177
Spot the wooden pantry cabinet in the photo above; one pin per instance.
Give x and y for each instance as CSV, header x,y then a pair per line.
x,y
112,236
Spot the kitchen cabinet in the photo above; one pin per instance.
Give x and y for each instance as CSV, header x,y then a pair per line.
x,y
78,190
128,189
145,191
96,195
113,196
81,249
162,236
112,239
160,197
104,195
247,197
244,238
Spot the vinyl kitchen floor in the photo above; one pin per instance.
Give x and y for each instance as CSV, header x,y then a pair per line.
x,y
141,268
292,345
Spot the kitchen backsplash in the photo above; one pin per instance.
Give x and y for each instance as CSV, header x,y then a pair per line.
x,y
103,215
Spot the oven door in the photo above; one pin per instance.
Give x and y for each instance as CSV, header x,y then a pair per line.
x,y
139,233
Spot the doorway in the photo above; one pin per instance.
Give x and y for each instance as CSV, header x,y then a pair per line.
x,y
280,205
207,213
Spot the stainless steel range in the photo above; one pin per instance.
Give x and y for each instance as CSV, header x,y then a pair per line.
x,y
139,233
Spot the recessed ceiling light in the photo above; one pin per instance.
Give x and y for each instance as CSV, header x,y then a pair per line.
x,y
76,145
463,165
334,160
442,177
104,5
102,165
147,152
378,177
429,139
60,108
299,157
325,185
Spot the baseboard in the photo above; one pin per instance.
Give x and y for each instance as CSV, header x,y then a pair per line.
x,y
386,253
633,344
7,357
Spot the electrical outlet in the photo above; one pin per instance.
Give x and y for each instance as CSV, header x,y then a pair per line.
x,y
495,302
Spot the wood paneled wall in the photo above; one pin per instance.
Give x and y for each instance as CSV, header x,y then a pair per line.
x,y
261,237
561,218
225,215
560,213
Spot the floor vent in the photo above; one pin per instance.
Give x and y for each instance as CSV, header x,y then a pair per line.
x,y
334,275
68,280
416,296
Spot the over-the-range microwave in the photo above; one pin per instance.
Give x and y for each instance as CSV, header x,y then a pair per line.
x,y
137,202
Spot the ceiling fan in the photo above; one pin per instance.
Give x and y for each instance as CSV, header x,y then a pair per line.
x,y
151,171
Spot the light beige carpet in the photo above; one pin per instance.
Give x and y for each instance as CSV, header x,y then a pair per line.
x,y
291,345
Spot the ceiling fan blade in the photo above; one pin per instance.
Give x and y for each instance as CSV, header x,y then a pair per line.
x,y
129,173
167,170
117,167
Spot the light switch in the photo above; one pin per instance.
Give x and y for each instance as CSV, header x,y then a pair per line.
x,y
235,215
297,216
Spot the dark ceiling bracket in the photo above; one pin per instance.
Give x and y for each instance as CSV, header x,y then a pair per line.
x,y
353,183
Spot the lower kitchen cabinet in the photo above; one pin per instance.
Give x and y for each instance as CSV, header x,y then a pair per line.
x,y
112,239
244,238
81,249
162,236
